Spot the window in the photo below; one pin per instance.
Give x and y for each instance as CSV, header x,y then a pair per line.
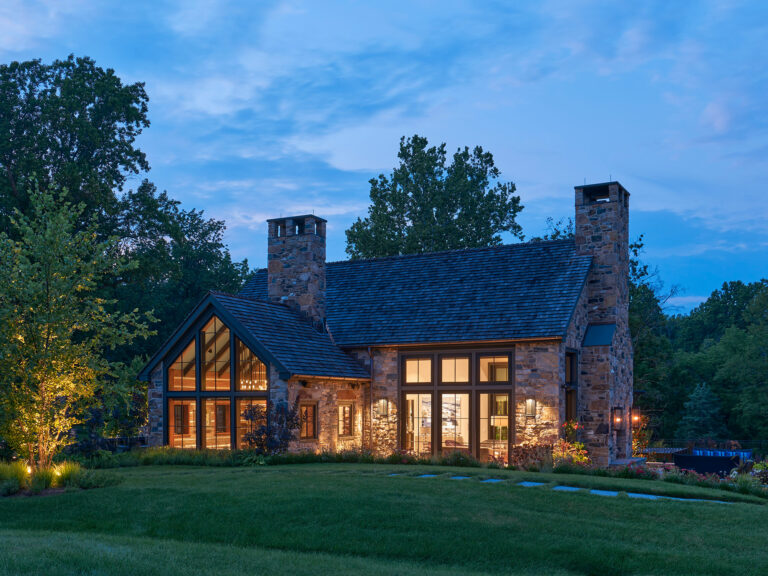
x,y
182,428
255,407
570,404
216,424
418,371
455,423
570,369
346,420
216,360
308,413
454,370
251,372
494,428
181,374
418,424
494,369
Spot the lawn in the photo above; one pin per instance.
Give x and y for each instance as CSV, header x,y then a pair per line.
x,y
354,518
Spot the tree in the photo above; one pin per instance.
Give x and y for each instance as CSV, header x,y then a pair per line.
x,y
70,124
179,255
702,418
426,205
54,327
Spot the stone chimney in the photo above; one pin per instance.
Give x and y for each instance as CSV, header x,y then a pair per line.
x,y
296,264
602,230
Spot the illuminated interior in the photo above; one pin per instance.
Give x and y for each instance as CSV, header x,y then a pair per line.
x,y
216,429
251,372
418,424
454,370
418,370
455,422
215,352
182,423
181,374
494,428
243,425
346,420
494,369
308,430
218,426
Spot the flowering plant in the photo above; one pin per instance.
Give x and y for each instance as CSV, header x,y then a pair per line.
x,y
564,452
571,430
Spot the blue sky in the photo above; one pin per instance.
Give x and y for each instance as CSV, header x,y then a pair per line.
x,y
262,109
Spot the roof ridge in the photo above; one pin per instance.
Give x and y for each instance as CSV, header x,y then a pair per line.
x,y
455,251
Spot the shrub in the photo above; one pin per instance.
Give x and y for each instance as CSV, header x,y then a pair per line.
x,y
88,479
42,479
14,472
458,458
531,456
9,486
564,452
68,474
634,472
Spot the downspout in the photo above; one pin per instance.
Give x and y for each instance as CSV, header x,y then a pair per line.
x,y
370,386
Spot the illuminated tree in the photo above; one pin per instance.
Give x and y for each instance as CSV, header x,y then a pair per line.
x,y
55,328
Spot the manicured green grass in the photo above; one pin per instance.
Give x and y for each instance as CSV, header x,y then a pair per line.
x,y
354,518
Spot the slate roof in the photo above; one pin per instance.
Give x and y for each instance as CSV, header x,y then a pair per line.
x,y
503,292
290,339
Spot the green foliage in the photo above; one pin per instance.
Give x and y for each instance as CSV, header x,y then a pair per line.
x,y
427,205
701,416
179,256
54,327
459,459
14,474
42,479
70,124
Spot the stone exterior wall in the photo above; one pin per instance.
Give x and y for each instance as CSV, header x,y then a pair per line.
x,y
296,264
382,404
537,376
328,395
605,372
155,399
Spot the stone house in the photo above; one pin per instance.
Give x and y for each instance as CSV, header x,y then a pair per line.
x,y
474,350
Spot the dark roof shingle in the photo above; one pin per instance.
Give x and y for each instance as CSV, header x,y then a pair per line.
x,y
294,343
503,292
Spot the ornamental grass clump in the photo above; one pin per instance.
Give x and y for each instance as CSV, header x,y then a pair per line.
x,y
42,479
13,477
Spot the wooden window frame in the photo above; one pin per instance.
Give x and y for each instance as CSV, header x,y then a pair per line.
x,y
436,388
441,357
198,395
404,369
340,419
315,421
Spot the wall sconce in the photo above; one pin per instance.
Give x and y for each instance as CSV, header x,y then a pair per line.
x,y
618,418
381,407
635,418
530,408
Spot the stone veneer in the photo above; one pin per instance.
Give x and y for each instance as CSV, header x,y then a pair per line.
x,y
155,398
537,376
605,372
296,264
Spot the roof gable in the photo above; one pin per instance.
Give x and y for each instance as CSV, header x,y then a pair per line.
x,y
513,291
275,333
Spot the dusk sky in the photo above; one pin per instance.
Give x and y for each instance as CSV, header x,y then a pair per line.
x,y
263,109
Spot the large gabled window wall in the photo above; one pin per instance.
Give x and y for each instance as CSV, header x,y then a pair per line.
x,y
211,382
458,400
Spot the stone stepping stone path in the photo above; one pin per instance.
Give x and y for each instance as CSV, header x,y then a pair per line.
x,y
604,492
559,488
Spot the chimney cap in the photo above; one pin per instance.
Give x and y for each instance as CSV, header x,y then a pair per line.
x,y
302,217
601,187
